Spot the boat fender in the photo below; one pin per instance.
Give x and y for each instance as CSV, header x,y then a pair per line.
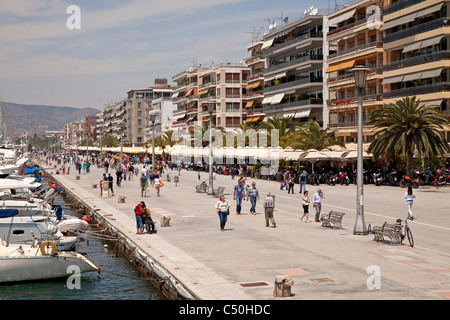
x,y
48,243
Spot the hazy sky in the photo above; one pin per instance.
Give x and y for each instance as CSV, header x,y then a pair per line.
x,y
122,44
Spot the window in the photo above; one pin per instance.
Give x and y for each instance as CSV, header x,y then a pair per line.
x,y
139,139
139,105
139,113
139,130
139,122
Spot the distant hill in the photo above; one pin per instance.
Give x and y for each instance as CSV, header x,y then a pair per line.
x,y
37,119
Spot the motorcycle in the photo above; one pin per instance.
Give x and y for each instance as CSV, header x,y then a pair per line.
x,y
332,179
406,180
441,179
343,178
312,178
377,178
390,177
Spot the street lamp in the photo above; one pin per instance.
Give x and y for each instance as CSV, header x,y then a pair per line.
x,y
211,108
360,73
152,119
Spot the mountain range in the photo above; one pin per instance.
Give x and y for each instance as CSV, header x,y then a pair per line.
x,y
36,119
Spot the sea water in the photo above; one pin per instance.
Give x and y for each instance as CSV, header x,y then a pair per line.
x,y
119,279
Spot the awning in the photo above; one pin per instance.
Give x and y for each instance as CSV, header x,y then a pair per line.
x,y
422,44
288,114
267,44
281,75
431,73
412,47
433,102
267,100
429,10
341,18
341,66
277,98
302,113
180,116
189,92
249,103
412,76
393,79
203,92
254,85
399,21
175,95
253,119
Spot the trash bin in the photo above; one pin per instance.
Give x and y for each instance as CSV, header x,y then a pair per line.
x,y
105,185
283,285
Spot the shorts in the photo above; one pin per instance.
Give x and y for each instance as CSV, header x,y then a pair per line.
x,y
138,221
143,187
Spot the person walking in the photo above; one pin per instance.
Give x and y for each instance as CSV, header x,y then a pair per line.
x,y
268,210
143,183
238,195
138,211
317,203
285,179
223,210
157,183
253,195
305,204
291,183
410,196
302,180
110,184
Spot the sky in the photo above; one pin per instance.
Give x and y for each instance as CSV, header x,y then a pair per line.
x,y
122,45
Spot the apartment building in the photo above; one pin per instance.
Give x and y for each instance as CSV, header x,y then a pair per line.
x,y
163,109
353,39
113,122
221,87
293,76
254,89
416,52
137,105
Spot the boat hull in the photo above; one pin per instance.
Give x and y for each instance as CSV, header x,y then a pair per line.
x,y
41,267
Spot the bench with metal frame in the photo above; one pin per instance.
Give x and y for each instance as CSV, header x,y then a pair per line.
x,y
392,231
332,219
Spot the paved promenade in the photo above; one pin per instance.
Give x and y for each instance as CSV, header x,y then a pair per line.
x,y
242,262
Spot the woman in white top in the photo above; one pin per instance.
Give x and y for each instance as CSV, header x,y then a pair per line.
x,y
410,196
157,184
305,204
222,207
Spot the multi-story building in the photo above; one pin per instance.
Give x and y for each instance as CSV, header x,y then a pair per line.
x,y
255,95
162,109
417,56
222,87
353,39
138,104
293,80
113,121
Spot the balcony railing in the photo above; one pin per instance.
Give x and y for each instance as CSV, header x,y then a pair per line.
x,y
399,5
429,88
348,76
353,99
414,61
376,44
293,62
293,84
287,105
420,28
348,26
347,124
293,41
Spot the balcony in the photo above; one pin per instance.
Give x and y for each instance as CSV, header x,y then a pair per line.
x,y
346,124
416,90
352,102
294,105
294,83
414,61
292,63
400,5
371,45
347,26
421,28
291,42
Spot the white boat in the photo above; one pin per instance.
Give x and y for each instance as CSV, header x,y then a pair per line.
x,y
28,263
73,225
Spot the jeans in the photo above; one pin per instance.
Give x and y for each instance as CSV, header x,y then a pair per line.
x,y
238,204
223,219
302,186
253,202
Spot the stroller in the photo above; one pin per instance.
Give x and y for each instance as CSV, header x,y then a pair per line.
x,y
148,226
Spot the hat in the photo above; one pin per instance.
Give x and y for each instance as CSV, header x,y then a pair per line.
x,y
53,186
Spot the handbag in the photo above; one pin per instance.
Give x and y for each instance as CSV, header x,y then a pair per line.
x,y
161,184
228,212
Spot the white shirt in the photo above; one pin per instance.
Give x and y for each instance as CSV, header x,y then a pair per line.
x,y
409,197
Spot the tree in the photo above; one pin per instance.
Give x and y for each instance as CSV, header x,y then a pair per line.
x,y
406,126
109,141
285,127
311,136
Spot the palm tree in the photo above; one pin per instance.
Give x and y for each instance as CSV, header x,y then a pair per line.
x,y
200,130
406,126
109,140
311,136
285,126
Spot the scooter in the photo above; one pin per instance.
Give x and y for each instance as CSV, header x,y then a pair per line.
x,y
406,180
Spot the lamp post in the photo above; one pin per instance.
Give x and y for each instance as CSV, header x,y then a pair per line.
x,y
211,108
152,120
360,228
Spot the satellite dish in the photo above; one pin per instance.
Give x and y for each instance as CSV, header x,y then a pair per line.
x,y
314,11
285,20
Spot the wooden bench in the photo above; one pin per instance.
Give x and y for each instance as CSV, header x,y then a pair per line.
x,y
393,231
202,187
218,191
332,220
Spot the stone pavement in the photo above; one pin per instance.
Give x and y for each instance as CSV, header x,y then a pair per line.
x,y
242,262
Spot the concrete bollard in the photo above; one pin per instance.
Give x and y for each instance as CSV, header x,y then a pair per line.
x,y
94,185
121,199
77,177
282,287
165,221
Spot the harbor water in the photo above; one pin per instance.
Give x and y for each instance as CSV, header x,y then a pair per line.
x,y
119,279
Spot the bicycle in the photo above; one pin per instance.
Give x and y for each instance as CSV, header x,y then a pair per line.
x,y
407,232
